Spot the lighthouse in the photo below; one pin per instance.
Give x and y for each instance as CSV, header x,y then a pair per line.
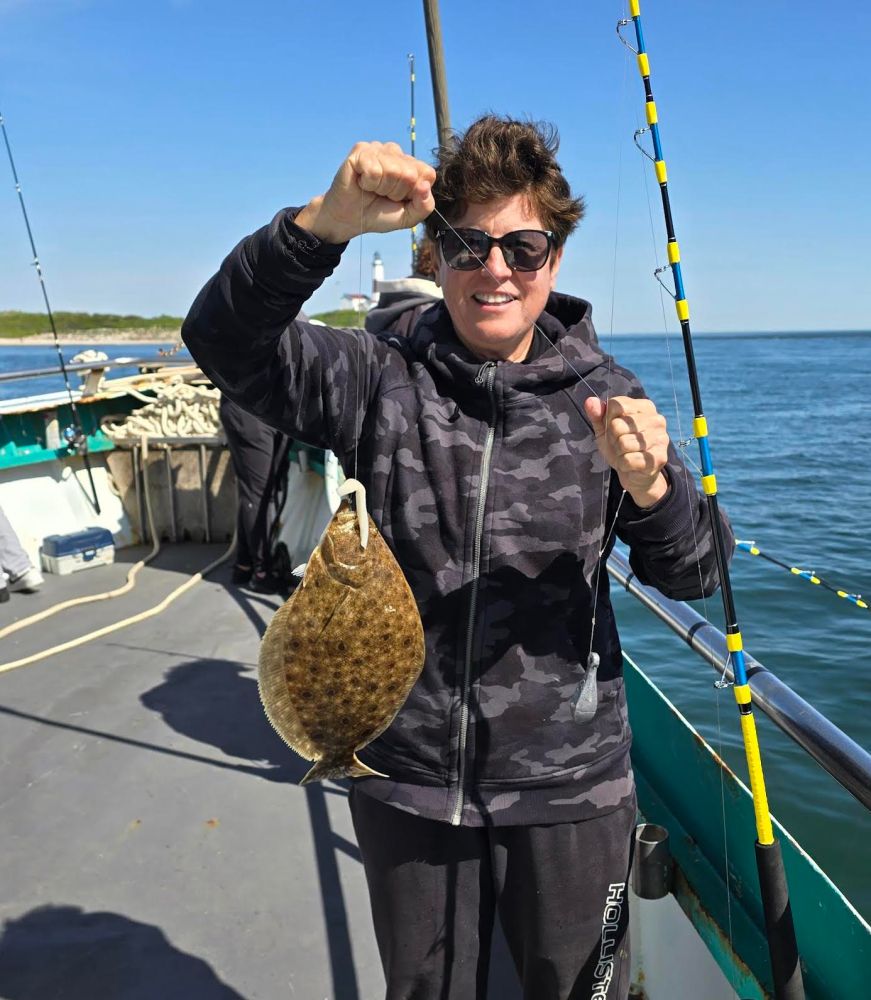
x,y
377,276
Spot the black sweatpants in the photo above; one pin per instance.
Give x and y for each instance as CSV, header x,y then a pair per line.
x,y
560,890
258,452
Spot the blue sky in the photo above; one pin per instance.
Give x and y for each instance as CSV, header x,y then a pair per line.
x,y
150,137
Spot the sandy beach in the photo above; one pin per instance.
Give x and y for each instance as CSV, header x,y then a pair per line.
x,y
94,338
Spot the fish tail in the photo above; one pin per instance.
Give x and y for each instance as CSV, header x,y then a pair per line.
x,y
360,770
352,768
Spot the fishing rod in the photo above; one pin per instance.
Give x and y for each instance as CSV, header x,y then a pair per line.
x,y
782,946
805,574
413,130
433,21
76,438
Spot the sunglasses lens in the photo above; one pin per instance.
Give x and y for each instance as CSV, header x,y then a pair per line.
x,y
526,249
465,249
468,249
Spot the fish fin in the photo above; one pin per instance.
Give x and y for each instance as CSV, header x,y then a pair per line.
x,y
360,770
353,768
299,571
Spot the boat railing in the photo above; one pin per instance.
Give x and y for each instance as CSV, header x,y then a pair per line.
x,y
88,366
831,748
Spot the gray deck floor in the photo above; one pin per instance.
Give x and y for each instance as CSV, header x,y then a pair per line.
x,y
155,842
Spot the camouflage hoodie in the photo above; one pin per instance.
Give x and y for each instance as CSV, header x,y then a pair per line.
x,y
486,482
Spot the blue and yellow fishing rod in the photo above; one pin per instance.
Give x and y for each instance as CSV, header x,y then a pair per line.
x,y
803,574
783,950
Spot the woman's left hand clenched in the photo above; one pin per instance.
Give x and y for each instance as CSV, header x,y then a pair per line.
x,y
631,435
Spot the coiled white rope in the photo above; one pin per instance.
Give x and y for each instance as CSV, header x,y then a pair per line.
x,y
178,410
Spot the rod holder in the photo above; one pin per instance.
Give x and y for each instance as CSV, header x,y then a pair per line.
x,y
652,865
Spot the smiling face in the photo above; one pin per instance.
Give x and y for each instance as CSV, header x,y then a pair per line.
x,y
493,310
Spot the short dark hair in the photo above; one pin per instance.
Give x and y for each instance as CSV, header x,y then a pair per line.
x,y
425,260
497,157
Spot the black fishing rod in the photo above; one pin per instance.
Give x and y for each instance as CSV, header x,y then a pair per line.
x,y
413,131
782,945
76,438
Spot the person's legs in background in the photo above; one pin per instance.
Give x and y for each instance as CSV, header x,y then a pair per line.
x,y
16,571
254,448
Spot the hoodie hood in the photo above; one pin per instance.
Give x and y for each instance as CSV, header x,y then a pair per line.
x,y
566,323
409,296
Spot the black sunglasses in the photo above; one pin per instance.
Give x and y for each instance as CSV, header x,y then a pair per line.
x,y
468,249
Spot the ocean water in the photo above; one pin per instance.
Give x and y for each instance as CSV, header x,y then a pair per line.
x,y
32,357
787,416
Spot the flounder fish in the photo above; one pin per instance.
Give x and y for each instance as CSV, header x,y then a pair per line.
x,y
341,654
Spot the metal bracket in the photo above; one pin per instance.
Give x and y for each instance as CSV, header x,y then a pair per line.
x,y
657,273
620,25
639,147
724,683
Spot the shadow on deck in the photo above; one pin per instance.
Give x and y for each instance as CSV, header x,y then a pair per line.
x,y
139,860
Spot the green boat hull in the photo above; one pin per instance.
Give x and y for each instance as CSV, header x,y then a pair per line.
x,y
685,787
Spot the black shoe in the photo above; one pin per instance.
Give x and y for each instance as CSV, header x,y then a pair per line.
x,y
241,575
4,594
265,583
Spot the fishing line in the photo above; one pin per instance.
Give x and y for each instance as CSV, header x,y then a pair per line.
x,y
413,130
722,771
606,477
525,315
584,701
358,431
77,440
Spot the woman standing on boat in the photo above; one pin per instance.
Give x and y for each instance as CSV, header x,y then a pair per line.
x,y
497,481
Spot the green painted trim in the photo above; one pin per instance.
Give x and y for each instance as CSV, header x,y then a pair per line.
x,y
23,433
12,455
683,786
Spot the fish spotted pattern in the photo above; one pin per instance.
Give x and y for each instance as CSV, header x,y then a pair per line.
x,y
340,656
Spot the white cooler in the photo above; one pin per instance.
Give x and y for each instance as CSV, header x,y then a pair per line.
x,y
79,550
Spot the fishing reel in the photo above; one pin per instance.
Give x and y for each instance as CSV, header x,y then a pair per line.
x,y
76,439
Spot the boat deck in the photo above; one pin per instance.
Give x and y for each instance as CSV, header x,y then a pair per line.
x,y
156,842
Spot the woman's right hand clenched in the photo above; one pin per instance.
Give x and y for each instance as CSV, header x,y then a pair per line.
x,y
378,189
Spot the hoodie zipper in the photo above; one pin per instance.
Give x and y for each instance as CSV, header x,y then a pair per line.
x,y
486,376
